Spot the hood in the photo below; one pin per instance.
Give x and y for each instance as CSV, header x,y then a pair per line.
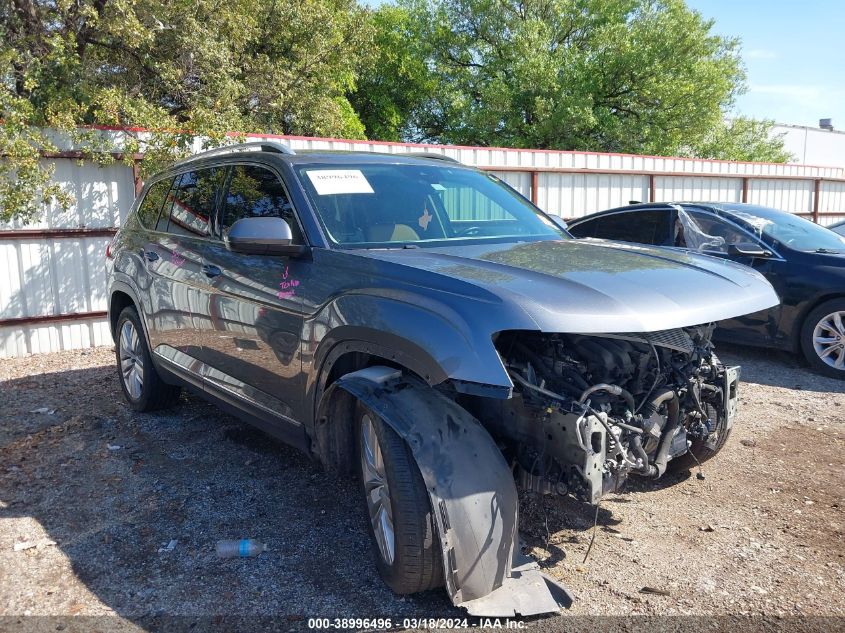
x,y
595,286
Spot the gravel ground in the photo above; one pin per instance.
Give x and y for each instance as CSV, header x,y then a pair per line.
x,y
103,491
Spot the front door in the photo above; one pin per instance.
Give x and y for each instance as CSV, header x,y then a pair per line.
x,y
251,318
713,235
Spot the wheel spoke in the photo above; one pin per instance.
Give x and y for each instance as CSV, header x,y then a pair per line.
x,y
827,351
837,322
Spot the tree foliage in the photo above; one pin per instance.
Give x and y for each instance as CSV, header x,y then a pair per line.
x,y
180,68
639,76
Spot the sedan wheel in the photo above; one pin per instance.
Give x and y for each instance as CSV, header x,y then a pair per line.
x,y
377,490
829,340
823,338
131,360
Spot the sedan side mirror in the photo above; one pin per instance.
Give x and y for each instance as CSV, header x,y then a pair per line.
x,y
263,236
748,249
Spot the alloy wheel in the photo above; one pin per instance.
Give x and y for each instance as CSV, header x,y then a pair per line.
x,y
829,340
131,360
376,489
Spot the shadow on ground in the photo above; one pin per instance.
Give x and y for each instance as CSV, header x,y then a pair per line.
x,y
776,368
114,487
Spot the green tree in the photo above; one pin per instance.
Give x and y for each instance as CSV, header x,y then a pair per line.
x,y
638,76
178,67
396,81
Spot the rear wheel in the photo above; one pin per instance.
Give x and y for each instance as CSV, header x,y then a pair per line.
x,y
142,386
401,521
823,338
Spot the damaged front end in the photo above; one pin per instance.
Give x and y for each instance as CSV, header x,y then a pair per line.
x,y
585,413
588,411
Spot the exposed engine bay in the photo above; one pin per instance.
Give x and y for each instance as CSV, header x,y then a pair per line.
x,y
588,411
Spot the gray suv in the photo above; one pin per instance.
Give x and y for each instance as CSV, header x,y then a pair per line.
x,y
421,325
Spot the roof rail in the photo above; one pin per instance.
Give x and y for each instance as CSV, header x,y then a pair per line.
x,y
264,146
448,159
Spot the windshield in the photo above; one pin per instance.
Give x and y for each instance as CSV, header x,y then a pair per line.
x,y
790,230
383,205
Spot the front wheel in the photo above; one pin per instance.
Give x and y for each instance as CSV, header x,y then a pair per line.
x,y
401,520
142,386
823,338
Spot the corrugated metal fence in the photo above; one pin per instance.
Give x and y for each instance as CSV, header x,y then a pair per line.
x,y
52,273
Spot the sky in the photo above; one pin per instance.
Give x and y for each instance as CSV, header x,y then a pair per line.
x,y
794,53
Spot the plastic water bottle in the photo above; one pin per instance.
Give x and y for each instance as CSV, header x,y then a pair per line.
x,y
243,548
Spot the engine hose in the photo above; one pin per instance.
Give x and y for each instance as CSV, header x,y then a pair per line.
x,y
540,364
616,390
669,431
636,444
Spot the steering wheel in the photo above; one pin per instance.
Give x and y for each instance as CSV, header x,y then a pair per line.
x,y
469,231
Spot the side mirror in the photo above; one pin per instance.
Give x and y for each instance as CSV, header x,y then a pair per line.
x,y
748,249
263,236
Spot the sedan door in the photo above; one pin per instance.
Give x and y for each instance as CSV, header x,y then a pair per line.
x,y
640,226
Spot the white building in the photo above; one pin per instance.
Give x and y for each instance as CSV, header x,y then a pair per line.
x,y
813,145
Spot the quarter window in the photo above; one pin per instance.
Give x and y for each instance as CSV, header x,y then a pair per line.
x,y
256,192
152,203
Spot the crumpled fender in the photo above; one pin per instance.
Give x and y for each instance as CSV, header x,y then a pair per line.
x,y
472,492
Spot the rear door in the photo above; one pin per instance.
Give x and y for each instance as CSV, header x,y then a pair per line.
x,y
641,226
183,231
252,315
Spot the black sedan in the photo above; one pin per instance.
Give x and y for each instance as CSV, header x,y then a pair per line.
x,y
803,261
838,228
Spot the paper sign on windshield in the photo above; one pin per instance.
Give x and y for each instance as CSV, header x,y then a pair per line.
x,y
335,181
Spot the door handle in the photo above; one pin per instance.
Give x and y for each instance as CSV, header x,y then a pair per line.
x,y
150,256
211,271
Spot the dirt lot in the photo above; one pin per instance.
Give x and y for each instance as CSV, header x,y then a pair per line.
x,y
761,536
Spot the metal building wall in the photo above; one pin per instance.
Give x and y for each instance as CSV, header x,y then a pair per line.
x,y
52,272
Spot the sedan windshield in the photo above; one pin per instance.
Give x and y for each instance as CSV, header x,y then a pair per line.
x,y
373,205
790,230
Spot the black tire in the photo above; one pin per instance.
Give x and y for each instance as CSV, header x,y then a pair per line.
x,y
816,316
153,393
701,449
417,563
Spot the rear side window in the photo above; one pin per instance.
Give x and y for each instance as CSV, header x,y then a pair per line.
x,y
193,200
641,227
584,229
256,192
151,204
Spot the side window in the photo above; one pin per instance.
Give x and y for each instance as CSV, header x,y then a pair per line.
x,y
193,201
641,227
256,192
584,229
707,232
151,204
